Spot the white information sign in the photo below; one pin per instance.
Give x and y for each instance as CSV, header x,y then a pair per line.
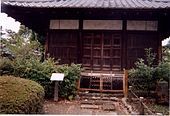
x,y
57,77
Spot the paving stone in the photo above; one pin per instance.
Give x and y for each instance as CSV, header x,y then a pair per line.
x,y
105,98
114,98
106,113
95,102
87,106
95,98
108,107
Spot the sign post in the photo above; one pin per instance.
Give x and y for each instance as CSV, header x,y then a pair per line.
x,y
56,77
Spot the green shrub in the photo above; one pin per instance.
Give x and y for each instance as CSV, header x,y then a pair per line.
x,y
27,63
145,75
68,87
141,77
20,96
6,66
41,72
162,71
37,71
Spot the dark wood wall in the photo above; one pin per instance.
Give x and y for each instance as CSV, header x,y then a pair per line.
x,y
136,44
62,45
101,50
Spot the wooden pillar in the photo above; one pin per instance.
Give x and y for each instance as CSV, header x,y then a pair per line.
x,y
160,49
56,91
124,45
78,85
125,83
141,110
46,45
101,84
79,42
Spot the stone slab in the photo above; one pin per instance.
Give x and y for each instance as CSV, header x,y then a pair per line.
x,y
87,106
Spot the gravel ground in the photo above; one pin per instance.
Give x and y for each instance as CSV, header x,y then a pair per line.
x,y
74,108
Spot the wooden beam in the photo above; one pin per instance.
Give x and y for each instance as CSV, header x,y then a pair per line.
x,y
78,85
125,83
159,49
124,46
46,45
98,90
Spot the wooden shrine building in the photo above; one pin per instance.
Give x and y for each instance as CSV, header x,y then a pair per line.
x,y
105,36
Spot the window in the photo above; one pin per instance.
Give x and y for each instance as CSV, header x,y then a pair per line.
x,y
142,25
102,24
64,24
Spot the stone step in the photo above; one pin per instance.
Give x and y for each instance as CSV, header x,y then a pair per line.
x,y
100,98
105,107
108,107
96,102
89,106
87,94
113,98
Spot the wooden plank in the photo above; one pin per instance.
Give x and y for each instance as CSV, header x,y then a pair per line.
x,y
101,74
98,90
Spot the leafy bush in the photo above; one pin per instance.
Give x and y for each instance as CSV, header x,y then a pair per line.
x,y
162,71
41,72
68,85
141,77
20,96
27,63
37,71
5,66
145,75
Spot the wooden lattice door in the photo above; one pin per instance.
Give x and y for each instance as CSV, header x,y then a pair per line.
x,y
102,51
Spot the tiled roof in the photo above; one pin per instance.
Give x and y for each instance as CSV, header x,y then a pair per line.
x,y
127,4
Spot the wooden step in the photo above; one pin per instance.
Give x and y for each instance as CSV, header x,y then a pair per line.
x,y
104,83
101,95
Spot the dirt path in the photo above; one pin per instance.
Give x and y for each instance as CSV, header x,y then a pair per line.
x,y
74,108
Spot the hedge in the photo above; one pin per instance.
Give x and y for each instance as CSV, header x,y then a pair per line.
x,y
20,96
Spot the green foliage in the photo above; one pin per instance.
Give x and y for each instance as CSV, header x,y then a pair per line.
x,y
162,71
6,66
157,108
141,77
68,85
37,71
27,64
20,96
145,75
22,44
166,54
142,70
150,57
